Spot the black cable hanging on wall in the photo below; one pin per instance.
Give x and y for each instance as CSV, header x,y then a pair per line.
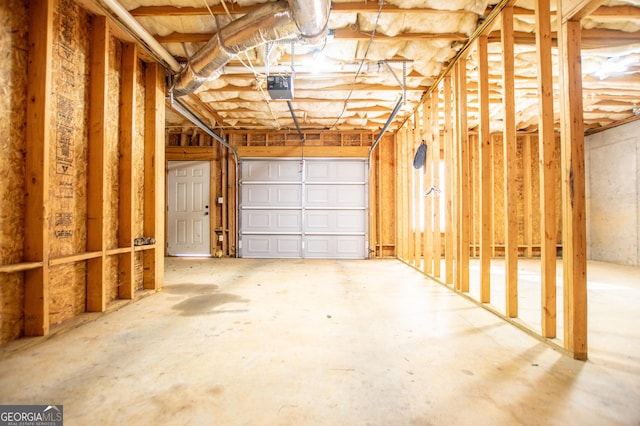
x,y
421,156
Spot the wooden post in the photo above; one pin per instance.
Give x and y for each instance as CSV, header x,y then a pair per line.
x,y
448,180
231,197
406,190
435,123
398,189
154,177
38,145
528,203
574,247
378,205
510,165
417,197
96,191
485,171
428,182
126,263
464,188
224,163
411,193
548,166
213,199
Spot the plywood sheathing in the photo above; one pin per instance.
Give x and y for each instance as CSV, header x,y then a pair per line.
x,y
14,54
111,169
68,158
44,271
139,171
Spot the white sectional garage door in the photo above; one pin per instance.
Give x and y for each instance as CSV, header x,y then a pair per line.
x,y
316,208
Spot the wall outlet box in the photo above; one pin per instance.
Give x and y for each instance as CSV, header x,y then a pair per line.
x,y
220,200
220,237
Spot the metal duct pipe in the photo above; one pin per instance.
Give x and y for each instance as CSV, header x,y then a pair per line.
x,y
297,19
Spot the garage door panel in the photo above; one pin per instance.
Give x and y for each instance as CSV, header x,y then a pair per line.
x,y
335,196
311,209
272,246
272,221
335,221
262,195
336,171
271,170
335,247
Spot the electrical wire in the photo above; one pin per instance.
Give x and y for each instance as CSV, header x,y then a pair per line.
x,y
364,57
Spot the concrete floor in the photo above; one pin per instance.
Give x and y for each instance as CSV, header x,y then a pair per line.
x,y
313,342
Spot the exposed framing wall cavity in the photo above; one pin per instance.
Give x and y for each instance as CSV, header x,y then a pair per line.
x,y
80,179
507,194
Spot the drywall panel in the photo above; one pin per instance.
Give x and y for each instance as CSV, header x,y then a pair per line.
x,y
612,194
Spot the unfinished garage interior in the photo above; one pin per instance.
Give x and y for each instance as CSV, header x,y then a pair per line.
x,y
321,212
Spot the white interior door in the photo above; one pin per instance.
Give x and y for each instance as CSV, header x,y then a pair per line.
x,y
188,213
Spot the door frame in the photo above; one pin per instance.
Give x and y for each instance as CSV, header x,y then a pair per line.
x,y
211,206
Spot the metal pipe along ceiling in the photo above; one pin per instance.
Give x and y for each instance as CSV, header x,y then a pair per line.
x,y
302,20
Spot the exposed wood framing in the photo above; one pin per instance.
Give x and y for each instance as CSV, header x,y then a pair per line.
x,y
428,182
224,166
575,10
410,143
464,184
548,169
127,131
96,297
417,197
448,179
154,177
493,180
510,165
527,195
435,159
214,215
573,191
230,229
404,219
485,203
38,144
